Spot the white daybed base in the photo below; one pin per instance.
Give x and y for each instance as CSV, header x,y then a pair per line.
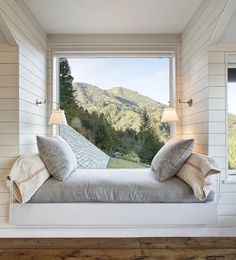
x,y
106,215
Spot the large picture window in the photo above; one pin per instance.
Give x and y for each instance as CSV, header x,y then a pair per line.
x,y
231,119
116,104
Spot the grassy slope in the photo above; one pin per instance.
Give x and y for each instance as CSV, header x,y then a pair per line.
x,y
120,163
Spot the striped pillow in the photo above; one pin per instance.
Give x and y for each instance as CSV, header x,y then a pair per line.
x,y
27,174
198,173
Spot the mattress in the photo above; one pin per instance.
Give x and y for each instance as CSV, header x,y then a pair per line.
x,y
115,186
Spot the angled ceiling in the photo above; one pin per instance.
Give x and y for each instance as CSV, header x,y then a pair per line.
x,y
6,36
229,35
113,16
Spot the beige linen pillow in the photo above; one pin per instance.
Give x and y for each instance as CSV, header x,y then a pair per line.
x,y
171,157
27,175
198,173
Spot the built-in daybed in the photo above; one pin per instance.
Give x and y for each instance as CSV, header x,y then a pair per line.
x,y
110,198
176,190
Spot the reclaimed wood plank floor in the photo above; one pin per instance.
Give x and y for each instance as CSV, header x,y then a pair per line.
x,y
118,248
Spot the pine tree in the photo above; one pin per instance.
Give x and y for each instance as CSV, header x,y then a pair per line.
x,y
67,98
150,143
145,124
103,138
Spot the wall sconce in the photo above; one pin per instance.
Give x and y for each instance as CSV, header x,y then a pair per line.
x,y
40,102
57,117
189,102
169,115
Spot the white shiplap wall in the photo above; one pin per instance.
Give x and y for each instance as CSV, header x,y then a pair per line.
x,y
203,80
22,80
9,116
195,43
217,57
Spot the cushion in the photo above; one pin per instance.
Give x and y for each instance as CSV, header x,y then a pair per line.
x,y
115,186
171,157
198,173
57,155
27,175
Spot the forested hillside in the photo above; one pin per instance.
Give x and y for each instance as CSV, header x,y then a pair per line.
x,y
232,141
121,107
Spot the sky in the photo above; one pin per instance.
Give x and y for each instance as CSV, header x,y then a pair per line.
x,y
148,76
232,97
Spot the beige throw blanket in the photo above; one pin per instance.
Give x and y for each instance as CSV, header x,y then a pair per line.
x,y
27,175
198,172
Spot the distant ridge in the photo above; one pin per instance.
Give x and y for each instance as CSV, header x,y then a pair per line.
x,y
121,106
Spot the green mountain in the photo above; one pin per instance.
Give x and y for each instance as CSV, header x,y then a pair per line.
x,y
232,140
122,107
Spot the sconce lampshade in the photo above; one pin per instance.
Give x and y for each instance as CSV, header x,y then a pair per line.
x,y
57,117
169,115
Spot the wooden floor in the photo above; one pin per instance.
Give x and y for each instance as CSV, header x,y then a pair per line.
x,y
122,248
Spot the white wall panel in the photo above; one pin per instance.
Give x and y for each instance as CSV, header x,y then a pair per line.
x,y
209,93
22,80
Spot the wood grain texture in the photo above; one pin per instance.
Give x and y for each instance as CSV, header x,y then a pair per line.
x,y
124,243
119,248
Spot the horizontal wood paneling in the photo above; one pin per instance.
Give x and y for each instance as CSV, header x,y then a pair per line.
x,y
203,73
217,104
3,221
3,186
7,162
228,187
4,200
22,81
8,104
9,117
227,198
8,69
8,150
10,57
8,81
227,210
4,173
217,83
4,209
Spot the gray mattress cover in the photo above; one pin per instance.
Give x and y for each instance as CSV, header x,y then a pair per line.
x,y
114,186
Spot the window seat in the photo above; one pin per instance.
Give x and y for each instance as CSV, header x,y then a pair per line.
x,y
114,207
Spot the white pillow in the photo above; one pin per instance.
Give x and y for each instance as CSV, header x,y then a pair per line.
x,y
198,173
28,174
